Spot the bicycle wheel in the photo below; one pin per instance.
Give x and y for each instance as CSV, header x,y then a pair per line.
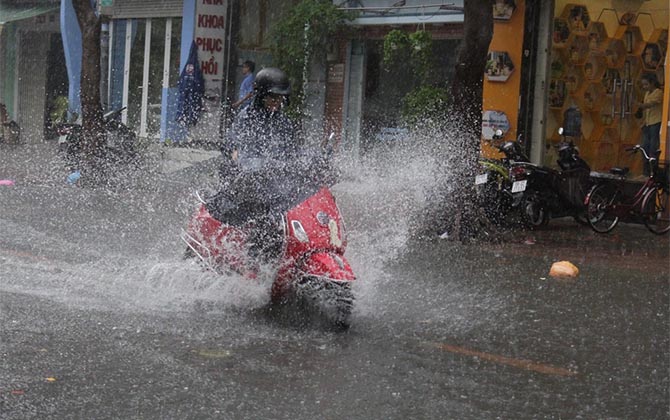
x,y
599,207
655,207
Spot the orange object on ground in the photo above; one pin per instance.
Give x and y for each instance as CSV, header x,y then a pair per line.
x,y
563,269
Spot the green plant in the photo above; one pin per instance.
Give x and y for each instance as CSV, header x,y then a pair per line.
x,y
427,103
301,37
59,108
415,50
422,53
396,47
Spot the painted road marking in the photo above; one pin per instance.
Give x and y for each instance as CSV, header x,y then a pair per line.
x,y
509,361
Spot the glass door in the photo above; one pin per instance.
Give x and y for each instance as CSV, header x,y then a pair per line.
x,y
144,68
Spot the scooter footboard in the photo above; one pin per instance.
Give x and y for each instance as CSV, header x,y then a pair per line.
x,y
327,265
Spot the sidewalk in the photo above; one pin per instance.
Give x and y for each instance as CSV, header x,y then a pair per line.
x,y
41,164
177,158
628,246
32,164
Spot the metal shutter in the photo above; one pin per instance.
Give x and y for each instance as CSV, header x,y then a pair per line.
x,y
123,9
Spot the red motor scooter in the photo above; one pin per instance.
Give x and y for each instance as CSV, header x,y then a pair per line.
x,y
310,265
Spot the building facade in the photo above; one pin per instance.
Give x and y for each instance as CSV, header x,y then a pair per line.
x,y
547,60
32,69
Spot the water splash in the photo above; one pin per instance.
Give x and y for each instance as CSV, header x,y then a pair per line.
x,y
128,254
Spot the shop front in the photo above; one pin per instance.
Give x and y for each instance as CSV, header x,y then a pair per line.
x,y
32,73
143,64
600,51
578,66
149,48
365,90
145,48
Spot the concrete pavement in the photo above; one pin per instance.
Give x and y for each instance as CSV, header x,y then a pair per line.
x,y
40,163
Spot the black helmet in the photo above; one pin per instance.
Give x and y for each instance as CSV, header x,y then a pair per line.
x,y
271,80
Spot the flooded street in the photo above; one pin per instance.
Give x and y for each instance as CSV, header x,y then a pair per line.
x,y
101,318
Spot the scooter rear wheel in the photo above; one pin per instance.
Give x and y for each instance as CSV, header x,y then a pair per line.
x,y
535,215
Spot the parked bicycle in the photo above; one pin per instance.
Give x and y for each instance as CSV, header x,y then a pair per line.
x,y
606,203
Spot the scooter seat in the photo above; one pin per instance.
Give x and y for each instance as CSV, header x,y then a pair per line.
x,y
619,171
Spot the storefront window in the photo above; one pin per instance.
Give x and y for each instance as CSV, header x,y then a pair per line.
x,y
387,86
144,109
175,51
136,72
598,57
116,63
155,76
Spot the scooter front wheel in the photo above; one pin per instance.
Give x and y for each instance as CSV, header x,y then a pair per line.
x,y
343,309
333,299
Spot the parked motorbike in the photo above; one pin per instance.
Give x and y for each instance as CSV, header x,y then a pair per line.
x,y
542,193
120,146
309,242
493,184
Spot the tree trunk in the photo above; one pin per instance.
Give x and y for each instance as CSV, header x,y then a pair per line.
x,y
93,134
451,209
468,84
467,93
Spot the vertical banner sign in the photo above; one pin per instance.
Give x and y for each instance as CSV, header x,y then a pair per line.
x,y
210,37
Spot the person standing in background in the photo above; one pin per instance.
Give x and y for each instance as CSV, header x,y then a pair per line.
x,y
247,85
651,116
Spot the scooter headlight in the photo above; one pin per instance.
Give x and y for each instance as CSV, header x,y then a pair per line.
x,y
299,231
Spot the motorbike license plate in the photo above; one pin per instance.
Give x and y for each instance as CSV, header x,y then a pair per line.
x,y
481,179
519,186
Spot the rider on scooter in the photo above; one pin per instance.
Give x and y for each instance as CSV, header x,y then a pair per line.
x,y
262,145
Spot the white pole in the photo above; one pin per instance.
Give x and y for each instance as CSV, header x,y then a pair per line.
x,y
166,55
110,63
145,79
126,70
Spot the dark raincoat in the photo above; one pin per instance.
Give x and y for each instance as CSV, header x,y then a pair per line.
x,y
257,133
263,179
191,87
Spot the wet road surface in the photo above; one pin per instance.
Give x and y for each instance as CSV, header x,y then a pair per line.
x,y
100,318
